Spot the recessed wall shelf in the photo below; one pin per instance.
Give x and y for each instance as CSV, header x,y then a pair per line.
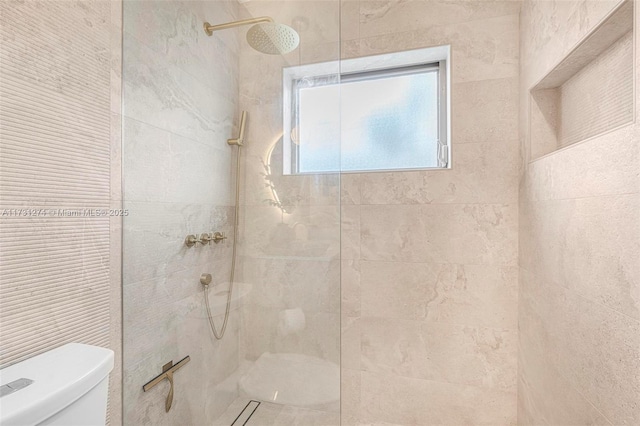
x,y
590,91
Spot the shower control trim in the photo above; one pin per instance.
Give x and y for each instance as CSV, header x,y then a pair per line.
x,y
218,236
191,240
205,238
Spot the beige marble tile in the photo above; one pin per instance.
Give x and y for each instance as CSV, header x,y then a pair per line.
x,y
476,295
350,397
382,17
156,163
473,295
544,395
180,105
350,188
588,245
350,348
460,233
184,331
323,52
173,30
480,173
481,50
349,19
350,288
388,43
309,231
443,352
484,111
585,357
605,165
422,402
579,339
289,190
154,236
279,282
551,29
350,232
165,96
350,49
397,290
578,311
261,80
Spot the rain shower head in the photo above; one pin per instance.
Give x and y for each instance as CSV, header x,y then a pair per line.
x,y
265,36
273,38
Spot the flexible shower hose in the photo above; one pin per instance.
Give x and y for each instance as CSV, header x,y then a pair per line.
x,y
220,334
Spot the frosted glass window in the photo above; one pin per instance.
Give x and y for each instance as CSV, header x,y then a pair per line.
x,y
385,120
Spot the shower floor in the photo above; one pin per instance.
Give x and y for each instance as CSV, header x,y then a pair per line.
x,y
270,414
293,380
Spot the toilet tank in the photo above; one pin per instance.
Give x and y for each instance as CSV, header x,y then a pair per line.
x,y
68,386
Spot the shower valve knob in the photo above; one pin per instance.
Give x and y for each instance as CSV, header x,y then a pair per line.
x,y
206,238
218,236
191,240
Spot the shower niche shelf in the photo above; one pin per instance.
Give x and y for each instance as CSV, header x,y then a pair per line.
x,y
588,93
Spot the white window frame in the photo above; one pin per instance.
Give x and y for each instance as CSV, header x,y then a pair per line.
x,y
390,64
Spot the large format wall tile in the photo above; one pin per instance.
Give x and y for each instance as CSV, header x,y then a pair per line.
x,y
180,106
383,17
154,238
435,246
426,402
350,288
429,286
579,249
442,352
442,233
567,344
481,50
605,165
485,111
559,246
174,168
165,96
473,295
480,173
173,29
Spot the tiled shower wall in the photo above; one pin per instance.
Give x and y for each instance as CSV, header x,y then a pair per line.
x,y
429,258
59,155
579,312
180,104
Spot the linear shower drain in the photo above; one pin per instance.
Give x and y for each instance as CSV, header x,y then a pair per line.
x,y
246,413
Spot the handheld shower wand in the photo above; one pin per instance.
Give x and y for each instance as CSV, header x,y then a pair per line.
x,y
239,142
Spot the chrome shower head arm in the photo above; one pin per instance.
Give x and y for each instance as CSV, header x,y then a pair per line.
x,y
209,29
